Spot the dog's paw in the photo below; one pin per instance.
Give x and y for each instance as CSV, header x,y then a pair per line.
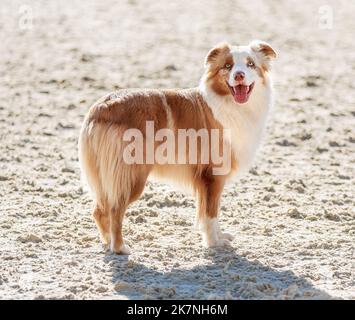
x,y
123,249
227,236
105,240
219,243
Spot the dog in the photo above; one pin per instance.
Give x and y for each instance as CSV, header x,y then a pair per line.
x,y
234,96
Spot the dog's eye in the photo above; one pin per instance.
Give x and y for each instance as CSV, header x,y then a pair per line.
x,y
228,66
251,64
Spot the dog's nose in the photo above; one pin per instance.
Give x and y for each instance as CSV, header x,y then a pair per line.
x,y
239,76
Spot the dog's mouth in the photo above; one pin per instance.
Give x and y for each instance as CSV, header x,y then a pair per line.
x,y
241,92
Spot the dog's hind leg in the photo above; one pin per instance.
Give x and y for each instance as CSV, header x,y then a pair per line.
x,y
132,191
101,218
117,244
114,182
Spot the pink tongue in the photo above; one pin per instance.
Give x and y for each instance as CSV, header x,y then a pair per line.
x,y
241,93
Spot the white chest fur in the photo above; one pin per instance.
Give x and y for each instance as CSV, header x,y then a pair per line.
x,y
246,121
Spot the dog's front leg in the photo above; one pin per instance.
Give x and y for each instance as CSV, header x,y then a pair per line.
x,y
208,198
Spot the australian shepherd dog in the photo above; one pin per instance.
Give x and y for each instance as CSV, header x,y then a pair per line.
x,y
198,137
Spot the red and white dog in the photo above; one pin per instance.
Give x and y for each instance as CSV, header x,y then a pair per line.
x,y
235,93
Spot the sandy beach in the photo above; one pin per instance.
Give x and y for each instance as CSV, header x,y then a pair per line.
x,y
292,214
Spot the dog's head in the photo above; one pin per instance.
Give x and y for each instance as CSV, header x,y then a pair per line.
x,y
236,70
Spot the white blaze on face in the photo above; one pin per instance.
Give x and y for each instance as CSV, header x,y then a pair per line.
x,y
240,59
244,74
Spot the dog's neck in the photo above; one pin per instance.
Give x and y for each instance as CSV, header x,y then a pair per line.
x,y
245,121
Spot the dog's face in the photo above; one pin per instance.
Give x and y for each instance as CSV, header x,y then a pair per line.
x,y
236,70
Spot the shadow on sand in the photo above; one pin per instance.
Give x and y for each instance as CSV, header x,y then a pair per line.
x,y
226,275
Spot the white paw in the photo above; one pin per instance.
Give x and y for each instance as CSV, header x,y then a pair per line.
x,y
219,243
125,249
226,235
105,239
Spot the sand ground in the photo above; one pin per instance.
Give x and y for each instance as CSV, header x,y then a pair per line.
x,y
292,214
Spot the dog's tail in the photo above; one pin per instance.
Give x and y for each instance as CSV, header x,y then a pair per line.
x,y
102,166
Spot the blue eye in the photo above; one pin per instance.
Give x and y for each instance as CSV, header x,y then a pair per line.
x,y
228,66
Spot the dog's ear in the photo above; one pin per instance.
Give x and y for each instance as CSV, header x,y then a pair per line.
x,y
263,48
215,52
